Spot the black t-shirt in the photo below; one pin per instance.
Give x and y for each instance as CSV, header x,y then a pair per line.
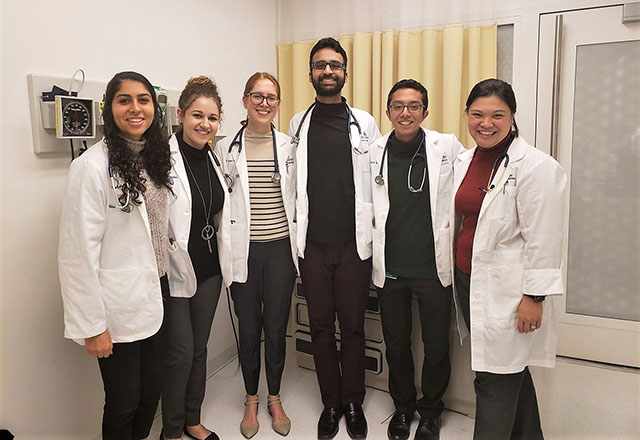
x,y
205,264
409,247
330,176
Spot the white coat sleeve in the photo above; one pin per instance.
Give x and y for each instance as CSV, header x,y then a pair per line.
x,y
541,207
82,226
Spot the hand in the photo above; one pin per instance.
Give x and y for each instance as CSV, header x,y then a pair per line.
x,y
529,315
99,346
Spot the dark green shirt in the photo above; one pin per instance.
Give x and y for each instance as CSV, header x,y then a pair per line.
x,y
409,248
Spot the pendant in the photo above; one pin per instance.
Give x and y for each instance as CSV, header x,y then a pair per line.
x,y
207,234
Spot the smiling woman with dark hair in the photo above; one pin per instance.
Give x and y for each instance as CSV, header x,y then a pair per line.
x,y
508,217
113,254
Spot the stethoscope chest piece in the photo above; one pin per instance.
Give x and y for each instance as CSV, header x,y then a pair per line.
x,y
276,177
379,179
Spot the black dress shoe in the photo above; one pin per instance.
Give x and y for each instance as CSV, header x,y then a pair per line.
x,y
429,428
329,423
212,436
399,426
356,422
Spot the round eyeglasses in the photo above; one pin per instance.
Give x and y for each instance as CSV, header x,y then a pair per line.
x,y
258,98
414,107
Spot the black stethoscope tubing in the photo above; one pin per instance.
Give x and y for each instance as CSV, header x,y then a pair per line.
x,y
496,163
351,121
421,151
237,140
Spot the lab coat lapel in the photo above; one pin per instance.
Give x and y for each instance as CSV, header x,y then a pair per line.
x,y
241,165
516,153
179,167
215,161
434,162
282,161
460,168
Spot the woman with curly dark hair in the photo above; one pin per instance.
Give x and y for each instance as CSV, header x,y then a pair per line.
x,y
194,216
113,253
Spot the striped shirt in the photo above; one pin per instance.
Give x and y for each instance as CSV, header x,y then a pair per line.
x,y
268,217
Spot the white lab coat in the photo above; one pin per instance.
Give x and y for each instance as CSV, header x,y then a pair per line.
x,y
441,149
516,250
239,219
361,179
182,278
107,267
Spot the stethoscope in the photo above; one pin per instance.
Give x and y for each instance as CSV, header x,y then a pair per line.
x,y
504,155
421,152
123,207
295,140
237,140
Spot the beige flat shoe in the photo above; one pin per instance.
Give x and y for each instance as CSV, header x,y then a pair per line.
x,y
281,428
248,430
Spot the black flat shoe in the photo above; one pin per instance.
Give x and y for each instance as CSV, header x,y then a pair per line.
x,y
356,422
329,423
399,426
212,436
429,428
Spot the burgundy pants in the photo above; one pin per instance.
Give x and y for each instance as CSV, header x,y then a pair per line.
x,y
336,283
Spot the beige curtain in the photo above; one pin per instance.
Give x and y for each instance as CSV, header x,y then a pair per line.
x,y
447,61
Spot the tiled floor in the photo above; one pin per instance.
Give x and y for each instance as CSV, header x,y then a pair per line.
x,y
578,400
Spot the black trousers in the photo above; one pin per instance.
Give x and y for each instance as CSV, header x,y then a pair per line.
x,y
506,404
132,383
336,282
264,301
188,326
434,305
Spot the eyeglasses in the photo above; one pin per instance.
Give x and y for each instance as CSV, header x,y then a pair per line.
x,y
414,107
333,65
258,98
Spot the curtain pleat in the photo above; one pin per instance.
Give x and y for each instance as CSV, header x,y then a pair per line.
x,y
447,61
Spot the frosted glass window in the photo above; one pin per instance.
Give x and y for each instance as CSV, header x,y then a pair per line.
x,y
604,228
505,52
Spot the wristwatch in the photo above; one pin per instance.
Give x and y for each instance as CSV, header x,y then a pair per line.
x,y
537,298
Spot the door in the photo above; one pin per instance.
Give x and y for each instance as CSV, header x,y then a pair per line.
x,y
588,117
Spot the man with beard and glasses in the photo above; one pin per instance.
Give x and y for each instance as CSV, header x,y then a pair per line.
x,y
334,221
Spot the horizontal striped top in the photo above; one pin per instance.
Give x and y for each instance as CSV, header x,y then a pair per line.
x,y
268,217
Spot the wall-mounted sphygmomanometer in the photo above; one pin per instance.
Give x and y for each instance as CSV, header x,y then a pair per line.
x,y
75,117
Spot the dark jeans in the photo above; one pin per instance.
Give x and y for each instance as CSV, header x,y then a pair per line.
x,y
506,404
336,282
434,305
131,378
264,300
188,322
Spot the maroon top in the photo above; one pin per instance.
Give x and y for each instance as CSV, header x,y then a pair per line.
x,y
469,199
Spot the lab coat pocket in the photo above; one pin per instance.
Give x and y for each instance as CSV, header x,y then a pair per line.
x,y
504,294
179,262
126,291
378,256
364,174
504,205
443,259
364,217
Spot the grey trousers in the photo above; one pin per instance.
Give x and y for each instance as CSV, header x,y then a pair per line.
x,y
506,404
264,300
188,323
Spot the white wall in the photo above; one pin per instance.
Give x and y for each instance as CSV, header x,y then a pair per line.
x,y
49,388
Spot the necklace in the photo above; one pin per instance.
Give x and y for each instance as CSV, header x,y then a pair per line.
x,y
208,231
